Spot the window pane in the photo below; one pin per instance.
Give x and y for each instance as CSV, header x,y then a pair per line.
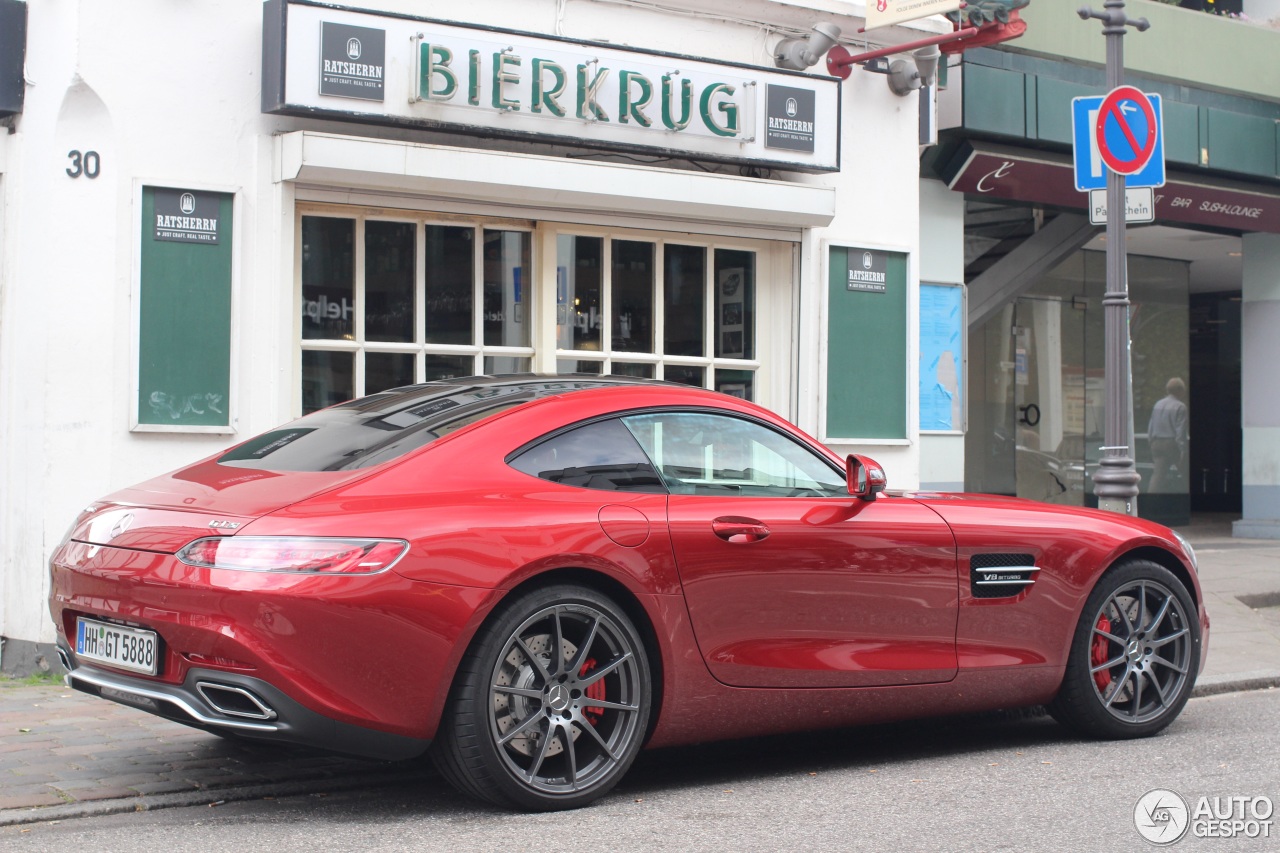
x,y
685,375
597,456
449,366
450,284
735,304
578,265
496,364
328,277
627,368
720,455
388,281
684,298
383,370
632,296
569,365
736,383
327,378
506,287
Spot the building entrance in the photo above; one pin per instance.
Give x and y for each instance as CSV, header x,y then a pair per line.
x,y
1038,385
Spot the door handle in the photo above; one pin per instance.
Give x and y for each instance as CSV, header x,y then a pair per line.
x,y
739,531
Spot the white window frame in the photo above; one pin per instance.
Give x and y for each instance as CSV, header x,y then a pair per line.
x,y
775,289
419,347
773,265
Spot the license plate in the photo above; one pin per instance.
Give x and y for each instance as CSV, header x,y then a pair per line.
x,y
126,648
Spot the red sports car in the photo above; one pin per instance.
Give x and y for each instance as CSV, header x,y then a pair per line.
x,y
534,577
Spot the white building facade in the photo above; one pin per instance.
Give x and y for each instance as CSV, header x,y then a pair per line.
x,y
216,217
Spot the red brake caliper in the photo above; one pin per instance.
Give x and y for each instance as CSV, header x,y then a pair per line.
x,y
595,691
1099,654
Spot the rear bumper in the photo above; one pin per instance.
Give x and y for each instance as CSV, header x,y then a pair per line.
x,y
241,705
364,653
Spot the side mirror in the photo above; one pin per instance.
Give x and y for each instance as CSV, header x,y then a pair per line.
x,y
864,476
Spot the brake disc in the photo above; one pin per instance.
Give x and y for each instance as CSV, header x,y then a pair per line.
x,y
511,710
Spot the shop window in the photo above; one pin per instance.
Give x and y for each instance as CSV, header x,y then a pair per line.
x,y
328,278
393,298
633,276
655,309
388,276
578,295
328,378
449,277
392,302
684,300
735,281
506,265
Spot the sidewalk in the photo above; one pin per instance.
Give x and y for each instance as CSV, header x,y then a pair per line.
x,y
64,754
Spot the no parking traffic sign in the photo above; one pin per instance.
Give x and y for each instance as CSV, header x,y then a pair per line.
x,y
1126,130
1120,131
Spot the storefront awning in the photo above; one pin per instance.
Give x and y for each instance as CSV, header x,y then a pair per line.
x,y
549,183
1037,177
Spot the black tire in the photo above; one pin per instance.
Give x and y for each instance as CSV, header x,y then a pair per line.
x,y
530,730
1134,655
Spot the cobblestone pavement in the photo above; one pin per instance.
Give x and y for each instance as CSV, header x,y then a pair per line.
x,y
66,754
59,747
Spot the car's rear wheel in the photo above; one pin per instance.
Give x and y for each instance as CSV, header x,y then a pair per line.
x,y
1134,656
550,704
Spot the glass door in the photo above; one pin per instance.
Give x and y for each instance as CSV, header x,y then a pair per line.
x,y
1056,405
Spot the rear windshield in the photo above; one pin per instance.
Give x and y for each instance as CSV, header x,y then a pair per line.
x,y
382,427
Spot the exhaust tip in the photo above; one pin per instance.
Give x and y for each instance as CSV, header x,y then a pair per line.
x,y
234,701
64,658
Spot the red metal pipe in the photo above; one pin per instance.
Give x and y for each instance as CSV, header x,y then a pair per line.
x,y
845,61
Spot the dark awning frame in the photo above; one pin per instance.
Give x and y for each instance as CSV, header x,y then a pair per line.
x,y
993,171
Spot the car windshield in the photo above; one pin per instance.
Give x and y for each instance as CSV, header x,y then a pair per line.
x,y
384,426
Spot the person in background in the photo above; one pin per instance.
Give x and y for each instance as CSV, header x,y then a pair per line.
x,y
1167,435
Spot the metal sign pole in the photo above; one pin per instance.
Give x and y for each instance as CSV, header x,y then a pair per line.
x,y
1116,481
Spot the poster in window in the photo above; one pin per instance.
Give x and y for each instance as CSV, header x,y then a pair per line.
x,y
941,357
732,291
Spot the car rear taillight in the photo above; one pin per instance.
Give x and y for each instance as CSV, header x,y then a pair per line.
x,y
294,554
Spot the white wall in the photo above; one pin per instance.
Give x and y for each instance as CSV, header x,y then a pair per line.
x,y
1260,415
942,262
168,93
1263,11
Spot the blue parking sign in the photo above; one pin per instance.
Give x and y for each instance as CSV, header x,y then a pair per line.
x,y
1090,170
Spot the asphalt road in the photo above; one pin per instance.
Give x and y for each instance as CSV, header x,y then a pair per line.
x,y
980,784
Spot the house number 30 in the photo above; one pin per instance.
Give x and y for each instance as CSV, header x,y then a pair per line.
x,y
85,163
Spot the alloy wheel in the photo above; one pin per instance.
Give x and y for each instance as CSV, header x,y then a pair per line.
x,y
1140,651
565,699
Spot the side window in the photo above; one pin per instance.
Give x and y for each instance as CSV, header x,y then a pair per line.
x,y
601,455
711,454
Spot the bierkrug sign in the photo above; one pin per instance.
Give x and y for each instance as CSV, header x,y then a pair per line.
x,y
397,70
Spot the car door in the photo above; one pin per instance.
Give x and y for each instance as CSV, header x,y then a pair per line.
x,y
790,580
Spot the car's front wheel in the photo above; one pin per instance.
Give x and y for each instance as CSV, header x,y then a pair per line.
x,y
1134,656
550,704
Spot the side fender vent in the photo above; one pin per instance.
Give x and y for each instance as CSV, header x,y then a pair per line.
x,y
1001,575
